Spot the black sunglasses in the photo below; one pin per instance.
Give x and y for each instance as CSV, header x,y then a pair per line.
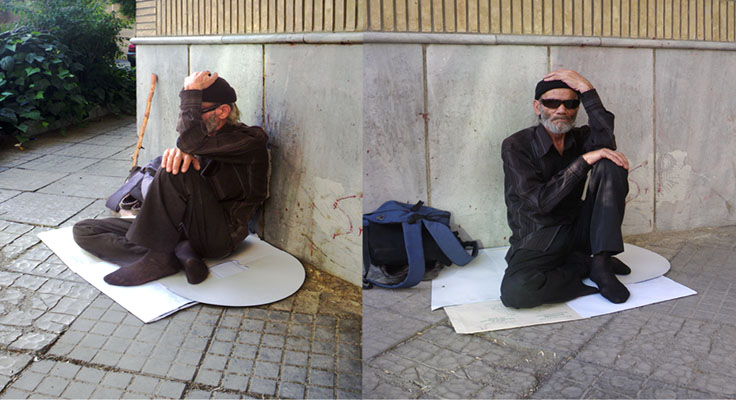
x,y
208,109
554,103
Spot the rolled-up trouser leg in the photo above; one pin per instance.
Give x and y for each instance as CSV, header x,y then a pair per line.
x,y
598,227
179,207
105,238
534,278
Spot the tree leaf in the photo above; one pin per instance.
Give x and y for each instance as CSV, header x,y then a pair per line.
x,y
7,62
7,114
34,115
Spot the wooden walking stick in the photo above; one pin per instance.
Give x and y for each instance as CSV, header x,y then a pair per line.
x,y
145,121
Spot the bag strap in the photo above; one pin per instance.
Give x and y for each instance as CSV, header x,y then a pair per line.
x,y
449,244
113,202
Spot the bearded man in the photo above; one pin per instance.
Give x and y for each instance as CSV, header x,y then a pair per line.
x,y
557,238
189,213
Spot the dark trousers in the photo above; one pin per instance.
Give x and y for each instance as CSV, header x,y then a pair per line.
x,y
533,277
177,207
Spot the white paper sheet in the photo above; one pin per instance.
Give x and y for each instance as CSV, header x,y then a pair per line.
x,y
493,315
642,293
480,280
149,302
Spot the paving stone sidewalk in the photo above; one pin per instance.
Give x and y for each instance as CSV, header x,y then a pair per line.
x,y
677,349
62,338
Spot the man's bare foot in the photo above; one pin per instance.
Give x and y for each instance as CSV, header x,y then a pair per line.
x,y
154,265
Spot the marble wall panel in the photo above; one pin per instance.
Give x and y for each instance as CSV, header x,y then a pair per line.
x,y
169,63
242,67
696,121
477,96
394,150
624,81
314,113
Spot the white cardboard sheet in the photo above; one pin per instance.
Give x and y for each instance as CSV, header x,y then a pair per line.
x,y
480,280
493,315
149,302
256,273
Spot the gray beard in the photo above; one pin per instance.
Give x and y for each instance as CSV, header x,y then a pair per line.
x,y
554,129
211,124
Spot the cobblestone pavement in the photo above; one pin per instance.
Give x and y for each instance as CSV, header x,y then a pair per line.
x,y
61,337
677,349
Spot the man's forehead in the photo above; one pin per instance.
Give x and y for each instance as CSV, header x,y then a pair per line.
x,y
560,94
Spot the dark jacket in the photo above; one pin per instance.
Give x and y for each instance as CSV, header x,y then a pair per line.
x,y
543,188
235,162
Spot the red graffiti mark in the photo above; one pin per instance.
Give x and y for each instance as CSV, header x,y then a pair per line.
x,y
336,206
638,188
425,116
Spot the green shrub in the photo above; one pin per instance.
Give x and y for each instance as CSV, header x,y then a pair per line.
x,y
38,83
91,33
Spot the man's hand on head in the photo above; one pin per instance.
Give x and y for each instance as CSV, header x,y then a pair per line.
x,y
615,156
175,160
199,80
572,78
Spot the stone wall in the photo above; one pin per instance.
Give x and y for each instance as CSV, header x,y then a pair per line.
x,y
309,99
354,125
434,127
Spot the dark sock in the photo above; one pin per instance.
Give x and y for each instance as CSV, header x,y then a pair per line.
x,y
580,263
195,269
154,265
619,268
602,274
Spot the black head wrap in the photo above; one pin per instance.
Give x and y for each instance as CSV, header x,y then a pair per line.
x,y
219,92
545,86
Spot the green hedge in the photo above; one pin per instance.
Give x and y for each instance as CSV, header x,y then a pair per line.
x,y
38,83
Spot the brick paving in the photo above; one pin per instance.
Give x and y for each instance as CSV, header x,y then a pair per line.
x,y
677,349
62,338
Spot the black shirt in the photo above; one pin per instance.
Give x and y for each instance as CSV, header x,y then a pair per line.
x,y
542,188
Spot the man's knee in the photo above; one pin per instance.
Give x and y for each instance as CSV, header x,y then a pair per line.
x,y
83,228
609,174
83,232
608,168
179,182
522,291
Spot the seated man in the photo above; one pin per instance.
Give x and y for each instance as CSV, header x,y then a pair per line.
x,y
554,232
189,213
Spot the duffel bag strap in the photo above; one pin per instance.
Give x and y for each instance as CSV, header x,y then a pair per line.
x,y
448,243
113,202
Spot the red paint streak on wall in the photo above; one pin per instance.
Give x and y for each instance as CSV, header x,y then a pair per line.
x,y
336,206
638,188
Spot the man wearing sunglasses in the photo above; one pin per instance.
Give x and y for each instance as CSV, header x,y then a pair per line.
x,y
558,239
201,199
